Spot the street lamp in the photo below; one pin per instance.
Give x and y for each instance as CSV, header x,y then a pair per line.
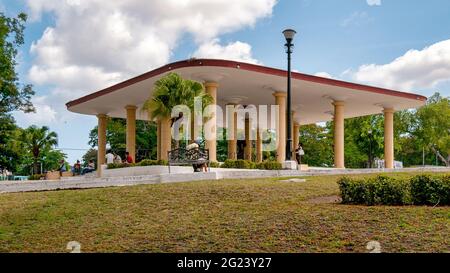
x,y
370,149
289,35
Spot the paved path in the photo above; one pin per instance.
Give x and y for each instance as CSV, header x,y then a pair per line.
x,y
216,174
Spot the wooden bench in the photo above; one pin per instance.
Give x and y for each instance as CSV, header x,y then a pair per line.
x,y
184,157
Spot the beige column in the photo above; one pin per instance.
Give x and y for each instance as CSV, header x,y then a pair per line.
x,y
296,139
101,152
165,138
248,141
193,136
158,139
211,145
259,150
232,143
280,100
339,135
389,138
293,147
131,131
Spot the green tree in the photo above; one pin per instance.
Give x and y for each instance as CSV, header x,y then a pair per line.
x,y
91,154
12,95
37,141
317,142
51,159
9,151
364,137
116,138
171,91
432,127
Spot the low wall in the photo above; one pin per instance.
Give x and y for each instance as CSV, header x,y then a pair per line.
x,y
180,174
147,170
158,170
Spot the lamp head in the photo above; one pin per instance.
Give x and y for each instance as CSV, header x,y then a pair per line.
x,y
289,34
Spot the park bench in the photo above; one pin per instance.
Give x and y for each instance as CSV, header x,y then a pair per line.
x,y
185,157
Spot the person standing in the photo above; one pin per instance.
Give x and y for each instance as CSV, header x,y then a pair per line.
x,y
299,152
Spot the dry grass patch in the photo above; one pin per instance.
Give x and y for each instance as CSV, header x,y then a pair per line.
x,y
261,215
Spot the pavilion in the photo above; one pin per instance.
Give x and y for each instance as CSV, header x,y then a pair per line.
x,y
314,99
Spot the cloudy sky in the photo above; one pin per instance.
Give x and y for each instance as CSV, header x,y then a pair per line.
x,y
75,47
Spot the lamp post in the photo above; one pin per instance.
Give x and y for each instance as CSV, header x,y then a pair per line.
x,y
370,149
289,35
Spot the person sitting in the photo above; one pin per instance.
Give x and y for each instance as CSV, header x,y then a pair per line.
x,y
109,157
117,159
128,158
201,166
62,167
90,168
76,169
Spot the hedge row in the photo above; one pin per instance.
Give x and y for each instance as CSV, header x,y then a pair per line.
x,y
382,190
143,163
245,164
36,177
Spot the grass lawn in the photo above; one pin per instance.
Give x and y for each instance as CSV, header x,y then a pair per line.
x,y
262,215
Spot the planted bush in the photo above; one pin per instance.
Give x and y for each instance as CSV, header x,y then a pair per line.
x,y
353,191
214,164
430,190
143,163
36,177
120,165
238,164
269,165
245,164
149,162
383,190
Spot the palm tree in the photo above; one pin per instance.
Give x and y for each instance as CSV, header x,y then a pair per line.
x,y
172,90
36,140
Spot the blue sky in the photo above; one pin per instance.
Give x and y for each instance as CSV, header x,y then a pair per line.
x,y
88,46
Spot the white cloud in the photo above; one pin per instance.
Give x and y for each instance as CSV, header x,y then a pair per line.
x,y
237,51
374,2
44,114
357,18
324,75
417,69
94,44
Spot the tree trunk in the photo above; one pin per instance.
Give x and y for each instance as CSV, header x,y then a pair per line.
x,y
36,167
443,159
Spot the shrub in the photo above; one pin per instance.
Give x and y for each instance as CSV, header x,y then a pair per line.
x,y
214,164
382,190
143,163
352,191
269,165
36,177
430,190
238,164
245,164
120,165
149,162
